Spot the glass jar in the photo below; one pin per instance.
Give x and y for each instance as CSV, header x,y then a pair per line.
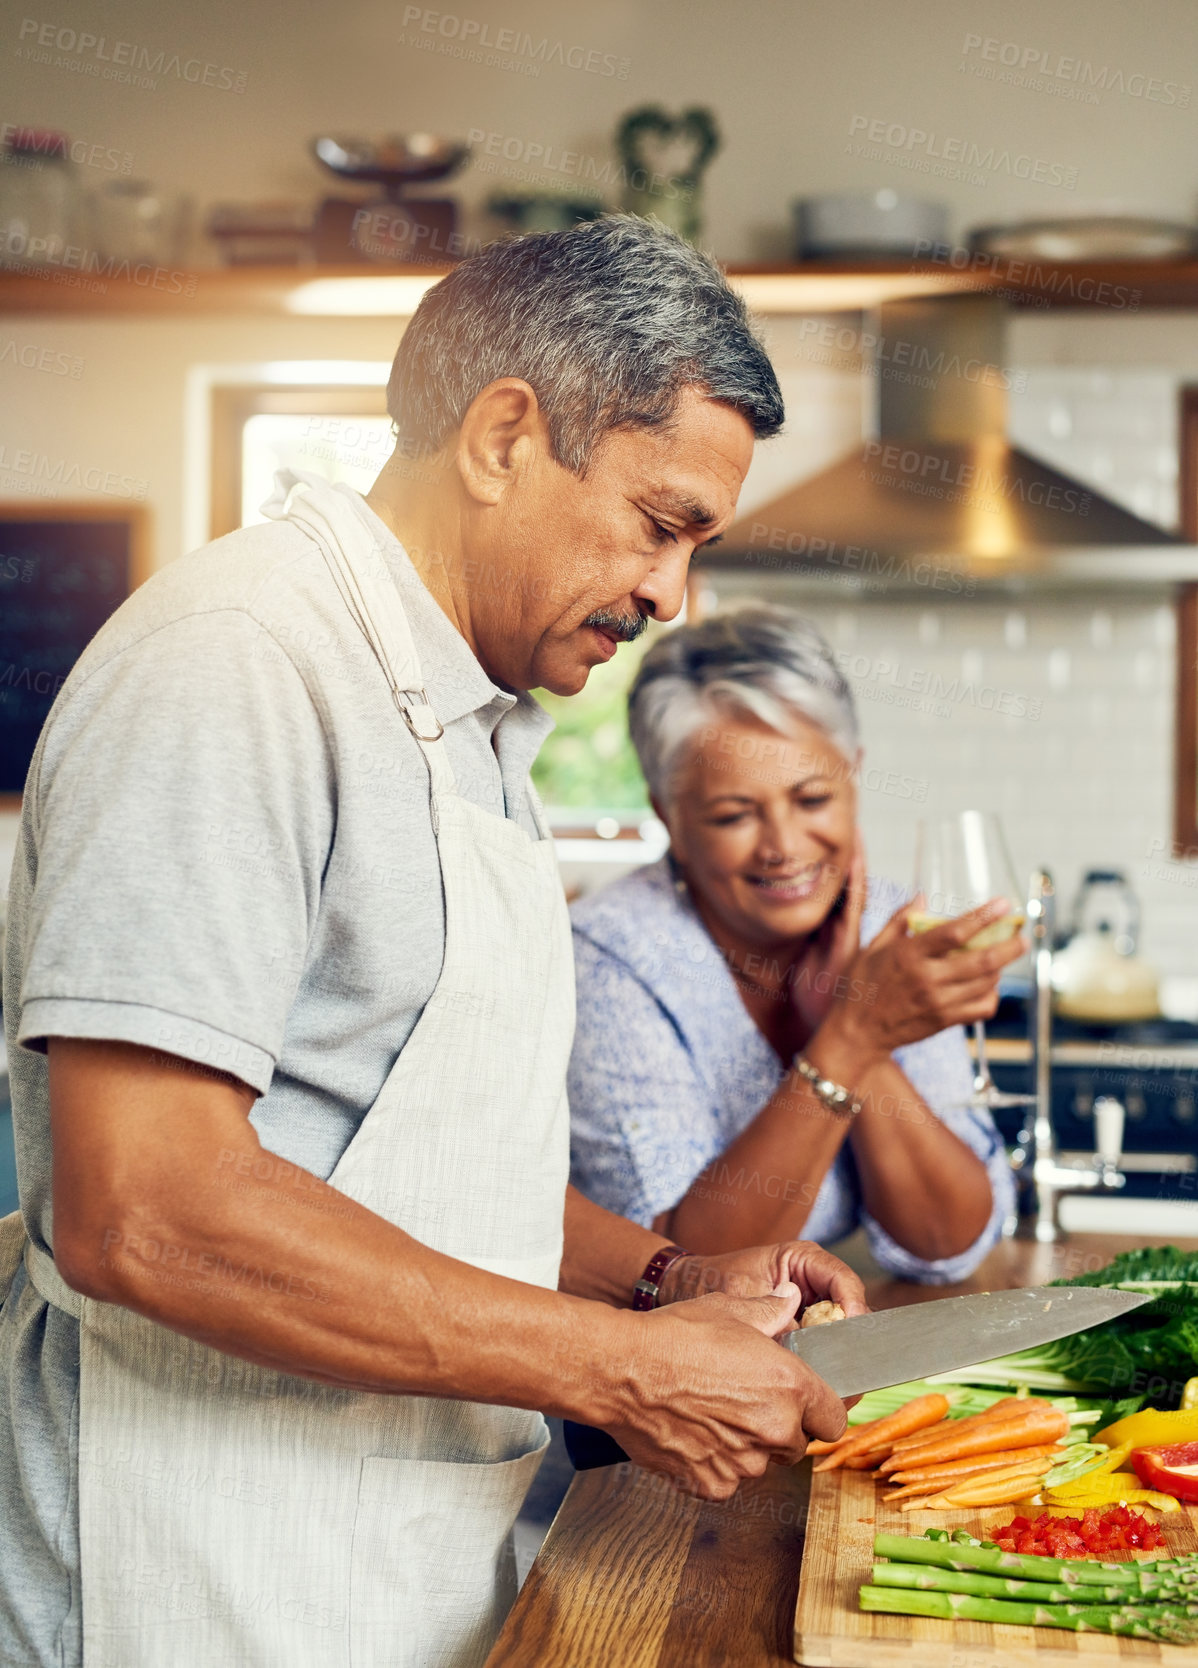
x,y
40,200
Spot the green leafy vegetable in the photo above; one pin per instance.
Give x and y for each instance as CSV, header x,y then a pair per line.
x,y
1143,1356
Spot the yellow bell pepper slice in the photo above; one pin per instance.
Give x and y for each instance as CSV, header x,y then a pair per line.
x,y
1152,1428
1109,1490
1189,1397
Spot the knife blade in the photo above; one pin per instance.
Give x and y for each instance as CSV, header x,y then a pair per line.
x,y
869,1352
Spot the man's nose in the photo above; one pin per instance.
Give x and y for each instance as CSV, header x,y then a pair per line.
x,y
663,591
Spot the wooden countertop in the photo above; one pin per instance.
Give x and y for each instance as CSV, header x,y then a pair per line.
x,y
635,1575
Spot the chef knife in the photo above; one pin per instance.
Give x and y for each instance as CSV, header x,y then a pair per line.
x,y
869,1352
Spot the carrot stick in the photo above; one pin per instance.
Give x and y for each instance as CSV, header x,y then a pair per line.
x,y
941,1482
1005,1494
1003,1408
1037,1429
928,1434
817,1445
988,1436
1001,1490
912,1416
913,1491
951,1469
862,1462
1006,1408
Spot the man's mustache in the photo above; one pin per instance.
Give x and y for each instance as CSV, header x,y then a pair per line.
x,y
626,628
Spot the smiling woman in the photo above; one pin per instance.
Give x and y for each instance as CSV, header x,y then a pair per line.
x,y
759,1047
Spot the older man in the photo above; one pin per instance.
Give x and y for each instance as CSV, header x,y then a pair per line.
x,y
290,1006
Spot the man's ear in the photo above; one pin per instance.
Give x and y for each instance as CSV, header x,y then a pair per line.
x,y
501,434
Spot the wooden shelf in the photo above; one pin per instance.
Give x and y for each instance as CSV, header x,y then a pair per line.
x,y
389,292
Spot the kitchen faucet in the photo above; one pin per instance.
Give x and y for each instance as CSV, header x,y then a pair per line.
x,y
1041,1180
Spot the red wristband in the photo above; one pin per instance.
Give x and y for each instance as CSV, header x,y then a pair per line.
x,y
645,1292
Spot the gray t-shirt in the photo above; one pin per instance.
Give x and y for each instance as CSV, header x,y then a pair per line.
x,y
225,853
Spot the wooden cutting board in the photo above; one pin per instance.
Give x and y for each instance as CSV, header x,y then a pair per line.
x,y
846,1512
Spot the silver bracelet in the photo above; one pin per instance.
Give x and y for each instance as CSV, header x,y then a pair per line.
x,y
835,1096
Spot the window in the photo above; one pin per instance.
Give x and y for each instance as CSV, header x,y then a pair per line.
x,y
343,433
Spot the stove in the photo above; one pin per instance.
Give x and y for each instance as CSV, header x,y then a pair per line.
x,y
1151,1066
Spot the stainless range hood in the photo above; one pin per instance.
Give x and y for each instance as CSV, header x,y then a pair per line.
x,y
941,487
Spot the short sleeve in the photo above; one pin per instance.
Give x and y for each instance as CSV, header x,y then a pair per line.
x,y
939,1069
183,814
643,1124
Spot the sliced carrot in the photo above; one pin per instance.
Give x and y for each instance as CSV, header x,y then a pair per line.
x,y
913,1491
927,1491
851,1462
912,1416
962,1431
1003,1408
988,1491
1007,1408
966,1467
1037,1429
818,1445
863,1462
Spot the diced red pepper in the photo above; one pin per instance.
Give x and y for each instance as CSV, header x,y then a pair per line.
x,y
1097,1532
1171,1470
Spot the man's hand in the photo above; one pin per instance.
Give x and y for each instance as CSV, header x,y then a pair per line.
x,y
709,1398
712,1398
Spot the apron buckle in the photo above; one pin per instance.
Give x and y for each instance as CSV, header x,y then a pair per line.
x,y
405,712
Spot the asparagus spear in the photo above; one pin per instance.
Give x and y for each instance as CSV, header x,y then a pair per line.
x,y
1175,1625
923,1578
953,1555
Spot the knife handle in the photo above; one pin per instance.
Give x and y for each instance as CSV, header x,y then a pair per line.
x,y
589,1448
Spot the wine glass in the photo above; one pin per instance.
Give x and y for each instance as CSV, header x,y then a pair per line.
x,y
962,862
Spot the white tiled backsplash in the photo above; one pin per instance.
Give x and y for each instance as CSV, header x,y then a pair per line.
x,y
1057,714
1114,429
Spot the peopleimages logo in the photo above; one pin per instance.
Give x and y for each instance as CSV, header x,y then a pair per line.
x,y
886,355
940,475
950,157
58,473
27,143
122,61
1038,68
877,570
478,42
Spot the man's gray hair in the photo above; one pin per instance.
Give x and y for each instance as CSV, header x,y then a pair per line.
x,y
608,322
772,664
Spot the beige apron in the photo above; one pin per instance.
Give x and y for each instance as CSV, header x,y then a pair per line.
x,y
231,1515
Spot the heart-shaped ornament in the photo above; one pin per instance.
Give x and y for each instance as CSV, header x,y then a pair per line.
x,y
662,148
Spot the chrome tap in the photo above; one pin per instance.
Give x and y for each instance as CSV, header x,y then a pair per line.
x,y
1041,1180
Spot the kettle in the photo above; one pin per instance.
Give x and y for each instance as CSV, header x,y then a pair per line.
x,y
1098,975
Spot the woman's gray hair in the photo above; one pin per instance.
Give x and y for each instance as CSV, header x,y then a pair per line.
x,y
608,322
772,664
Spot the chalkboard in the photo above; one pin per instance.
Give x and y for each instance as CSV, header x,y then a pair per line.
x,y
64,568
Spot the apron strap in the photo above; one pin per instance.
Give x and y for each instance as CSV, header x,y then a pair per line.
x,y
374,603
49,1283
538,812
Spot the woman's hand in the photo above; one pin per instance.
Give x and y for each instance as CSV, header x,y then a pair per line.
x,y
761,1269
919,983
830,952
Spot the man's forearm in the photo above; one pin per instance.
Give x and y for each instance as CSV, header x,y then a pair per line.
x,y
235,1247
